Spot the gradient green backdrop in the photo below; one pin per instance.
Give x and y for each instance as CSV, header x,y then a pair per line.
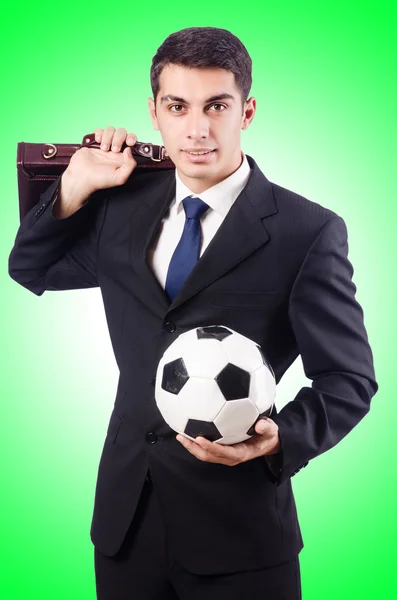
x,y
324,80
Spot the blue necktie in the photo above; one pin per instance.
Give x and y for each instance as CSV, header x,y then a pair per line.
x,y
187,252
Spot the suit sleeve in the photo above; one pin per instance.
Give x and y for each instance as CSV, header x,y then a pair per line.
x,y
58,254
328,325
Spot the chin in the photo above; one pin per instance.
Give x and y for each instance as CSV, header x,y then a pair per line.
x,y
197,172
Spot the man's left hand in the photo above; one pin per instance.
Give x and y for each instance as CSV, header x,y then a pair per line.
x,y
265,441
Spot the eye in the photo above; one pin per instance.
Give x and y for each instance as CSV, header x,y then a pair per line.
x,y
173,106
217,104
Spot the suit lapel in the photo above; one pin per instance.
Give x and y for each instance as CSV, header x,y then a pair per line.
x,y
241,233
154,202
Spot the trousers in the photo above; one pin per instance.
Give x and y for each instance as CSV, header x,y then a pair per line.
x,y
144,568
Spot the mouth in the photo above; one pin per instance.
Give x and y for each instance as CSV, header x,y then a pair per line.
x,y
199,156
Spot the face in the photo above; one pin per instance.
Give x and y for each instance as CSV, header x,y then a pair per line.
x,y
201,110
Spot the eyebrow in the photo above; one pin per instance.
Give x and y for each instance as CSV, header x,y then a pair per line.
x,y
212,99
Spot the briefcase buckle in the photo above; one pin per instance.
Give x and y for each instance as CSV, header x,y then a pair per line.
x,y
51,152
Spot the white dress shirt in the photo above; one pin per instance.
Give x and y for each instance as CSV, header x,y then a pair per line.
x,y
219,197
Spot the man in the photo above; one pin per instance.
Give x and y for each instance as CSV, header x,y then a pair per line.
x,y
175,518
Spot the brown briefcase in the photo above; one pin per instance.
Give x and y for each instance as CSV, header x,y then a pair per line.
x,y
38,165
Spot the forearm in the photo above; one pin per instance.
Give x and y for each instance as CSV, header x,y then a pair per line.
x,y
328,325
68,199
43,242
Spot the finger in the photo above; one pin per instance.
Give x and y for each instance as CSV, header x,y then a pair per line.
x,y
217,450
107,138
231,454
266,428
98,135
258,445
125,169
262,425
131,139
129,161
223,454
195,449
118,139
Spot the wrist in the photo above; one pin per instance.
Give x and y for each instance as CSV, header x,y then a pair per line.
x,y
72,196
276,446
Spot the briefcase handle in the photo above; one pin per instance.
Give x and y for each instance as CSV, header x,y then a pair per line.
x,y
152,151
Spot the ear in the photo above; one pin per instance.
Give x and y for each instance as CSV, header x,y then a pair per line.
x,y
152,111
249,112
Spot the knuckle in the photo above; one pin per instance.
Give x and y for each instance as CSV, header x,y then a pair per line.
x,y
132,138
83,150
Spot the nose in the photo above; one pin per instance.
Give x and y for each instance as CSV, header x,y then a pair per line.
x,y
197,125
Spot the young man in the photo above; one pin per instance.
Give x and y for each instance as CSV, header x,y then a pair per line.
x,y
173,518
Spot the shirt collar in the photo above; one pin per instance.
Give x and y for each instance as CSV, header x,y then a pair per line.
x,y
219,197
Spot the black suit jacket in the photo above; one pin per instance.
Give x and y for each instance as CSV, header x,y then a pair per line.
x,y
278,272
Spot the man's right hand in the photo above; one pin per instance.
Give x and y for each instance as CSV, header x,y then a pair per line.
x,y
92,169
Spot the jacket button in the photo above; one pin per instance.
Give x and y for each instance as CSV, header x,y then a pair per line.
x,y
40,210
170,326
151,437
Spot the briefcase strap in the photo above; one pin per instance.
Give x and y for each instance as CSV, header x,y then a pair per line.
x,y
153,151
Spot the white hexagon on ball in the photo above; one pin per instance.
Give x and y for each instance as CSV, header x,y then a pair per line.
x,y
201,399
236,415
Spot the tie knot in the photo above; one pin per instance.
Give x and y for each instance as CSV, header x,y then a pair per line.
x,y
194,207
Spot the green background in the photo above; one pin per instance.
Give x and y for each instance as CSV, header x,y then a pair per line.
x,y
325,127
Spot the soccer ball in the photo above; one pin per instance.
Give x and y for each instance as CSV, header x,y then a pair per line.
x,y
214,382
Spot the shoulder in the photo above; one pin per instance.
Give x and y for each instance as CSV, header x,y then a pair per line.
x,y
293,221
306,223
290,208
295,206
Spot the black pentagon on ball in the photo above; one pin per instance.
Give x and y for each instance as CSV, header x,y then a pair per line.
x,y
233,382
213,331
175,376
207,429
266,413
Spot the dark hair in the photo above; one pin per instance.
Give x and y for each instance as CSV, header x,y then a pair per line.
x,y
204,47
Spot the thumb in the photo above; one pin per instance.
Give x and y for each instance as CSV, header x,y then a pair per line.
x,y
128,165
129,161
261,425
